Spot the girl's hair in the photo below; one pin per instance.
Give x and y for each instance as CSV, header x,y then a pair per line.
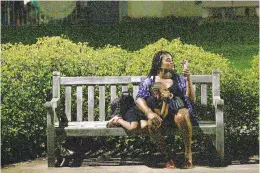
x,y
157,62
158,85
155,89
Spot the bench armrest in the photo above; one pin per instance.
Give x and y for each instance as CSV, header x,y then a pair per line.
x,y
218,102
52,104
51,113
219,105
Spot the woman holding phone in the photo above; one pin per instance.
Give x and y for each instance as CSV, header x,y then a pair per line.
x,y
181,92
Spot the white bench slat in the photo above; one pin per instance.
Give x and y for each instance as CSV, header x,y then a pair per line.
x,y
113,95
204,94
135,90
215,83
79,103
68,102
137,79
88,123
194,87
201,78
207,122
103,123
102,107
95,80
120,80
124,88
90,103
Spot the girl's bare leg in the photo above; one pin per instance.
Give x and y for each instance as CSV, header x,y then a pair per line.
x,y
119,121
130,126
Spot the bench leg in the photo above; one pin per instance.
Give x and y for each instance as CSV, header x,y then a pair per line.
x,y
51,147
50,141
220,143
220,135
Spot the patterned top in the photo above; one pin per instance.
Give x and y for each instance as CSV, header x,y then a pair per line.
x,y
144,91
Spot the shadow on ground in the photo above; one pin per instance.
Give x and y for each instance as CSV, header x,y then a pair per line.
x,y
98,153
107,157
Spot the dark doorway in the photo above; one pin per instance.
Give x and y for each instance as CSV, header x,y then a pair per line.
x,y
103,11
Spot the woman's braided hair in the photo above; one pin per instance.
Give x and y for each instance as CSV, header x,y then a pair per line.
x,y
157,62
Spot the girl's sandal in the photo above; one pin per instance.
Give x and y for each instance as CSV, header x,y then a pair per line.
x,y
116,120
113,122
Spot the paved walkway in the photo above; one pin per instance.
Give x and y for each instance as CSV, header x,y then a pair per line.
x,y
40,166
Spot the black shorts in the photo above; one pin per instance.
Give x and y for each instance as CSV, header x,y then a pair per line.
x,y
168,121
134,115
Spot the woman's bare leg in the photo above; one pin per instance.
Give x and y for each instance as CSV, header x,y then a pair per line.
x,y
182,120
157,138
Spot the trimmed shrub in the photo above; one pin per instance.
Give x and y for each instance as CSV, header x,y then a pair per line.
x,y
26,86
134,34
240,91
200,61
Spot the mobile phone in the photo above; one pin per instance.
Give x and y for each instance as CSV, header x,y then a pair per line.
x,y
185,64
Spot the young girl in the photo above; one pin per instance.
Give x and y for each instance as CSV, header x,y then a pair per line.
x,y
162,100
133,117
130,118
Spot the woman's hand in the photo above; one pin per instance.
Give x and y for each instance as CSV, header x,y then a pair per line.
x,y
186,73
166,94
190,90
155,119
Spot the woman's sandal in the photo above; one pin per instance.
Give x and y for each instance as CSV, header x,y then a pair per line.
x,y
188,164
170,165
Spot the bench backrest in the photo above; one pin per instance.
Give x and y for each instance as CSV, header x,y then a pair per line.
x,y
96,88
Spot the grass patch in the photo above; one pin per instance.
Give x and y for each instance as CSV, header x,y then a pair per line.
x,y
240,55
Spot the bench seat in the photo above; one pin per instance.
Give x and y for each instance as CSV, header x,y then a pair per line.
x,y
99,129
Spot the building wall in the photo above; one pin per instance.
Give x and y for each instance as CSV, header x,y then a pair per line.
x,y
138,9
181,8
229,3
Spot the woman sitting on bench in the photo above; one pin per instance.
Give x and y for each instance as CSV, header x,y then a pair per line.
x,y
183,92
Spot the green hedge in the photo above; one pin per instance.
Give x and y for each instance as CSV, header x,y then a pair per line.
x,y
241,93
236,39
134,34
26,86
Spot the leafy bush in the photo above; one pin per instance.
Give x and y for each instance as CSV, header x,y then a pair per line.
x,y
134,34
26,85
236,39
200,61
240,91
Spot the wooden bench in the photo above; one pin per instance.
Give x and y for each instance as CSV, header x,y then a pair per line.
x,y
97,101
